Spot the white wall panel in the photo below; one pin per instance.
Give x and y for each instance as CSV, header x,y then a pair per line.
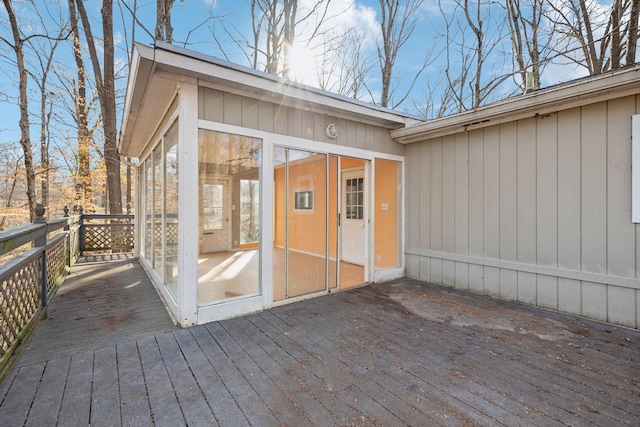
x,y
621,239
570,296
527,191
594,188
476,193
622,306
594,300
461,196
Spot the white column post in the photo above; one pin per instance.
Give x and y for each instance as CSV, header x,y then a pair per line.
x,y
187,292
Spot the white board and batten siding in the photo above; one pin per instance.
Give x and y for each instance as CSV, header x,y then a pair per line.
x,y
536,210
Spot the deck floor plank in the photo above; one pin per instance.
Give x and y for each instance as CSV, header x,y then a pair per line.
x,y
288,381
279,402
225,410
253,407
46,404
384,372
399,353
423,358
16,402
255,327
134,406
164,405
195,407
105,399
75,409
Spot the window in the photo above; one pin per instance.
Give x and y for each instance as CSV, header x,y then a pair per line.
x,y
355,198
212,204
303,200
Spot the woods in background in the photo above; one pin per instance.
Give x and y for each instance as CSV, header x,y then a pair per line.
x,y
65,64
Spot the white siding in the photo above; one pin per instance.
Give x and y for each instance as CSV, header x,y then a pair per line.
x,y
537,210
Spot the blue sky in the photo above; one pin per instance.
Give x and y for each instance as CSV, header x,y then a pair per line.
x,y
195,22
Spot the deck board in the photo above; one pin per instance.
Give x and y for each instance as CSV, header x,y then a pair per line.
x,y
400,353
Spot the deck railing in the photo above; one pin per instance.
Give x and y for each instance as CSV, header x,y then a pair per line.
x,y
38,258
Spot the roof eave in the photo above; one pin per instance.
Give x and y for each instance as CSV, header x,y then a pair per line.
x,y
575,94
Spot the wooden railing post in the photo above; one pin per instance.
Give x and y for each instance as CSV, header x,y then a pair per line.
x,y
81,229
42,242
66,228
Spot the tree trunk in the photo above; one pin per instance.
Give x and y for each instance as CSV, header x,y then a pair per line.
x,y
164,30
632,32
25,136
83,185
106,94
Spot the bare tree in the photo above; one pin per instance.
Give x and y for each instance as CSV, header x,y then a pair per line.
x,y
343,64
397,24
105,83
605,41
17,45
525,19
164,30
44,49
83,179
473,71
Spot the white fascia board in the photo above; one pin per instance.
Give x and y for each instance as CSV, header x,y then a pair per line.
x,y
545,101
136,83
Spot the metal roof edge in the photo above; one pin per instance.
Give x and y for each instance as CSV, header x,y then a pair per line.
x,y
567,95
289,87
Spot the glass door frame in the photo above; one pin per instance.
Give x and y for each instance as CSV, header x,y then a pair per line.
x,y
267,218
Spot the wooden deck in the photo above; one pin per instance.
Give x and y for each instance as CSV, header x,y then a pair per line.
x,y
401,353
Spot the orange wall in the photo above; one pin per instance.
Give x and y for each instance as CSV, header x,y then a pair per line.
x,y
386,221
307,230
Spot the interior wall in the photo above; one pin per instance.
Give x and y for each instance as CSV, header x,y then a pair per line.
x,y
307,228
537,211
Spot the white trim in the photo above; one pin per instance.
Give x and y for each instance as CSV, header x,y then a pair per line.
x,y
603,87
298,143
388,274
229,309
266,182
585,276
187,292
299,298
167,298
635,168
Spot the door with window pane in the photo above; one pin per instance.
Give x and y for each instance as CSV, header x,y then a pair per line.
x,y
353,222
215,216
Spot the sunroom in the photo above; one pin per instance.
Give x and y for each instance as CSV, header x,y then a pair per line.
x,y
253,191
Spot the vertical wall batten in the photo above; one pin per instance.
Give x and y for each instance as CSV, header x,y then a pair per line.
x,y
448,207
476,207
423,187
435,216
508,208
461,207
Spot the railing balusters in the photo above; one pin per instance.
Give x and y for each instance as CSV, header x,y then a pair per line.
x,y
20,278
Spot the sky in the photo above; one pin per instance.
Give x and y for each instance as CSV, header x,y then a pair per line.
x,y
210,27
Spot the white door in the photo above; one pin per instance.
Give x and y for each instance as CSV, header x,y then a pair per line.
x,y
215,213
353,217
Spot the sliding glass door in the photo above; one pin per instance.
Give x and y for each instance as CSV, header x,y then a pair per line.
x,y
300,220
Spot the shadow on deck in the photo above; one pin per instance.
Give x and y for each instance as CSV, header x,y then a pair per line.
x,y
400,353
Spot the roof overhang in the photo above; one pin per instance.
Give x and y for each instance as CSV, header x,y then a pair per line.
x,y
577,93
156,73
